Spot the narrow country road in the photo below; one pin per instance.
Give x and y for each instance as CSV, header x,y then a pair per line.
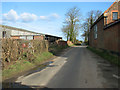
x,y
76,68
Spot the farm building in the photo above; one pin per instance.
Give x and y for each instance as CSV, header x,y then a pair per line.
x,y
17,33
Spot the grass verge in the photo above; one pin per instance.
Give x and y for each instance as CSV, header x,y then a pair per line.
x,y
113,59
24,65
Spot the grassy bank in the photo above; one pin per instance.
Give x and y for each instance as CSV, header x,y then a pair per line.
x,y
24,65
113,59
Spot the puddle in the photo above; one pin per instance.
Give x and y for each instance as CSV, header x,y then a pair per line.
x,y
51,65
39,68
10,83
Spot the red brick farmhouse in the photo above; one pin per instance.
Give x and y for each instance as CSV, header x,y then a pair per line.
x,y
105,32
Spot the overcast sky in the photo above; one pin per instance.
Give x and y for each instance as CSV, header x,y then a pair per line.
x,y
45,17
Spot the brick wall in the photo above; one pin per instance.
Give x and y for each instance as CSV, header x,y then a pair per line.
x,y
38,37
92,41
62,43
15,37
119,37
119,8
108,37
112,38
100,34
115,7
99,41
91,38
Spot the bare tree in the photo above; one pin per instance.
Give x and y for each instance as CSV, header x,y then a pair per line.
x,y
72,24
93,15
86,30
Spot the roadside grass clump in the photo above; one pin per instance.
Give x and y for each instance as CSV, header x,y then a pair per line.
x,y
42,57
111,58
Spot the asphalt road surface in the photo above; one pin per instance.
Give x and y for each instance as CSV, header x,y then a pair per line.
x,y
76,68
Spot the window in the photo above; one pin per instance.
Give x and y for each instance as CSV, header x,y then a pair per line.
x,y
95,31
4,34
105,20
115,15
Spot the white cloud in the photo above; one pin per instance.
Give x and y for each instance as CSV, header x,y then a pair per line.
x,y
50,17
43,17
11,16
54,15
27,17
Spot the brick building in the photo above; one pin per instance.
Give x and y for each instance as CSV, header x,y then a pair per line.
x,y
105,32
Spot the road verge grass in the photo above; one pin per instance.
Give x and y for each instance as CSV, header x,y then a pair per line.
x,y
24,65
111,58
